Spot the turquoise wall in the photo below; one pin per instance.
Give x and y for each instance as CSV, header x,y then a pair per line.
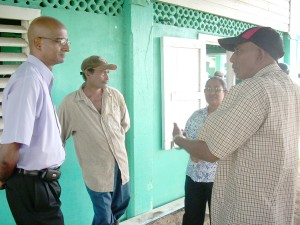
x,y
139,87
89,34
132,41
152,170
169,166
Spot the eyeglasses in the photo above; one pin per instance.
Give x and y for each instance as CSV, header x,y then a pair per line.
x,y
61,41
213,90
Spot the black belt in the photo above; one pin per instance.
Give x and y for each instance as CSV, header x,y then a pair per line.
x,y
29,172
45,174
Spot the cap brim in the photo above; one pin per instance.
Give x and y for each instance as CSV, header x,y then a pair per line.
x,y
229,44
109,67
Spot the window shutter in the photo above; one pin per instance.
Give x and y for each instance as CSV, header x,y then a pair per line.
x,y
14,23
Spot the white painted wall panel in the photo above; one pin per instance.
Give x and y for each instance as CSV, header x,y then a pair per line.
x,y
19,13
295,17
273,13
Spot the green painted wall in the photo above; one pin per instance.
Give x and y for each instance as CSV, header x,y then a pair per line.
x,y
287,45
169,166
132,41
90,34
139,87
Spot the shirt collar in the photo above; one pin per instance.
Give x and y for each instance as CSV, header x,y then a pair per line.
x,y
268,69
44,70
81,95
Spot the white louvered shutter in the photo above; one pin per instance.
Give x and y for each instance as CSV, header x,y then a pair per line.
x,y
14,22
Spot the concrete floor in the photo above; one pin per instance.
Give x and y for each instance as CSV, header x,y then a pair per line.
x,y
155,214
171,214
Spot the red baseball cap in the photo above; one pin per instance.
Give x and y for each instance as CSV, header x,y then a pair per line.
x,y
264,37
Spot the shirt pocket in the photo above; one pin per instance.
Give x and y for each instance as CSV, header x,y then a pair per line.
x,y
114,117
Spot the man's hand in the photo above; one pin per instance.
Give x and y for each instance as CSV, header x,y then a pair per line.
x,y
9,156
196,148
2,185
176,131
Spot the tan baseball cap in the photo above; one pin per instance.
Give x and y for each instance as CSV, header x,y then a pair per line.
x,y
96,61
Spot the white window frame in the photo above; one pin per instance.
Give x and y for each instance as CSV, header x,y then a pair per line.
x,y
171,97
213,40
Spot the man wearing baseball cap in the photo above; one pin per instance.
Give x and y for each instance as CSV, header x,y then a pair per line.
x,y
254,134
97,117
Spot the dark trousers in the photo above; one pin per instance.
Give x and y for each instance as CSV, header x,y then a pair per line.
x,y
110,206
197,194
34,201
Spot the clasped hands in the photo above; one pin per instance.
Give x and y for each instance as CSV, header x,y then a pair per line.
x,y
177,132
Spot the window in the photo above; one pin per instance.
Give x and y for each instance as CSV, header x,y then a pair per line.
x,y
14,22
183,79
223,56
185,70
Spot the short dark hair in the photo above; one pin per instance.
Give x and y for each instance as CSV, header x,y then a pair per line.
x,y
222,82
219,74
91,70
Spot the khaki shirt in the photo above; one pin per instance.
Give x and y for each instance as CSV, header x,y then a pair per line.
x,y
255,133
99,139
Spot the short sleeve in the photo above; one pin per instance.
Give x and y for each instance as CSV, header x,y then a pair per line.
x,y
22,105
240,115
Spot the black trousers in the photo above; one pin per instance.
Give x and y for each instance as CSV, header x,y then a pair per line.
x,y
197,194
34,201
